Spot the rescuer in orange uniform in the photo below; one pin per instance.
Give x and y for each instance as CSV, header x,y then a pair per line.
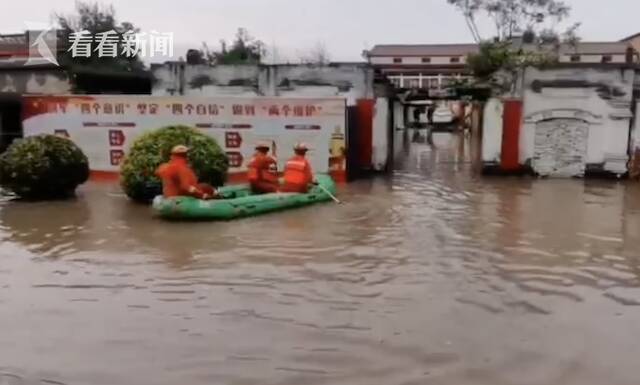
x,y
178,179
263,171
297,171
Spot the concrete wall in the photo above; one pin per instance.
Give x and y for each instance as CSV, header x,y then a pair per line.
x,y
351,81
175,78
634,146
34,82
380,134
492,133
398,115
589,58
576,120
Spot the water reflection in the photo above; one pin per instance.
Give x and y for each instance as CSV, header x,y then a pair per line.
x,y
46,229
432,275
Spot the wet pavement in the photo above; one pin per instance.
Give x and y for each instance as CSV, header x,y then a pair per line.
x,y
434,275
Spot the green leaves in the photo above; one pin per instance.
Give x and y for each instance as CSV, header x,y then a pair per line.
x,y
502,58
43,167
138,177
513,17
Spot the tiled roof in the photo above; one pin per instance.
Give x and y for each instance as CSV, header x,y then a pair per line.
x,y
423,50
584,48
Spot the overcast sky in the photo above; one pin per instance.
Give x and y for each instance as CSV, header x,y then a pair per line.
x,y
344,27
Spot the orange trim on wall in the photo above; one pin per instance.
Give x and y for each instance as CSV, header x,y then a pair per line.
x,y
365,132
510,156
104,176
339,176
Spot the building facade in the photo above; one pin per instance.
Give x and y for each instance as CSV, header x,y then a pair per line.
x,y
436,66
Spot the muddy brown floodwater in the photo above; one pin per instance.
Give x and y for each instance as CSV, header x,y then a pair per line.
x,y
434,275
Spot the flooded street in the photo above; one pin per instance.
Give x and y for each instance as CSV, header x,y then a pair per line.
x,y
434,275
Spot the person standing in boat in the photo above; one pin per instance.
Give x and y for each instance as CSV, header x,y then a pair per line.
x,y
298,174
262,171
178,179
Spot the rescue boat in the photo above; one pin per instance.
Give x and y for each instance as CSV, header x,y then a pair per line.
x,y
238,202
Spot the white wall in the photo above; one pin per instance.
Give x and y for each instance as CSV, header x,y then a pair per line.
x,y
398,115
35,82
380,153
594,58
413,60
351,81
634,146
583,94
492,132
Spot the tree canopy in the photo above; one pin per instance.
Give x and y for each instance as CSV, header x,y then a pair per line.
x,y
96,18
245,49
500,58
513,17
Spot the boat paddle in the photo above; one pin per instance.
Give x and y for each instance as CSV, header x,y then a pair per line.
x,y
338,201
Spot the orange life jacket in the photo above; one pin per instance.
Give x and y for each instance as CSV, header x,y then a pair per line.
x,y
262,168
178,179
297,174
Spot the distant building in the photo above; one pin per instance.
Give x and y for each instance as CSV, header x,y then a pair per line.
x,y
634,41
435,66
38,77
431,66
20,73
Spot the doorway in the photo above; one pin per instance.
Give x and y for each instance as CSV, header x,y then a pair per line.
x,y
10,119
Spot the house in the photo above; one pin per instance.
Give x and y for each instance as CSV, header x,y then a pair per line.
x,y
435,66
633,41
24,71
431,66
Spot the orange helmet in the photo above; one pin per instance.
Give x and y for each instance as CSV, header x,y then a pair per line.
x,y
179,150
262,145
300,146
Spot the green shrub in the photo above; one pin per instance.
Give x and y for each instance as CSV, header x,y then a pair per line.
x,y
137,173
43,167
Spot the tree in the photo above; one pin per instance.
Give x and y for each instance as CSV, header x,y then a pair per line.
x,y
318,55
43,167
500,60
96,18
137,173
513,17
195,57
245,49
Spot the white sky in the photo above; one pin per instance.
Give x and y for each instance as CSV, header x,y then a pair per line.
x,y
344,27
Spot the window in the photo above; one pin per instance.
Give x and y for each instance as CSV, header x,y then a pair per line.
x,y
455,59
426,60
607,59
397,60
395,81
575,59
412,83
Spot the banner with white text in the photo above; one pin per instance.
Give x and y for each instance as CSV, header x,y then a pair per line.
x,y
105,126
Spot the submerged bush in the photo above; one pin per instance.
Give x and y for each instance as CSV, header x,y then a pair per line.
x,y
138,177
43,167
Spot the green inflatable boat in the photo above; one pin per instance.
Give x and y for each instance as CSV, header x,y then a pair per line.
x,y
238,202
